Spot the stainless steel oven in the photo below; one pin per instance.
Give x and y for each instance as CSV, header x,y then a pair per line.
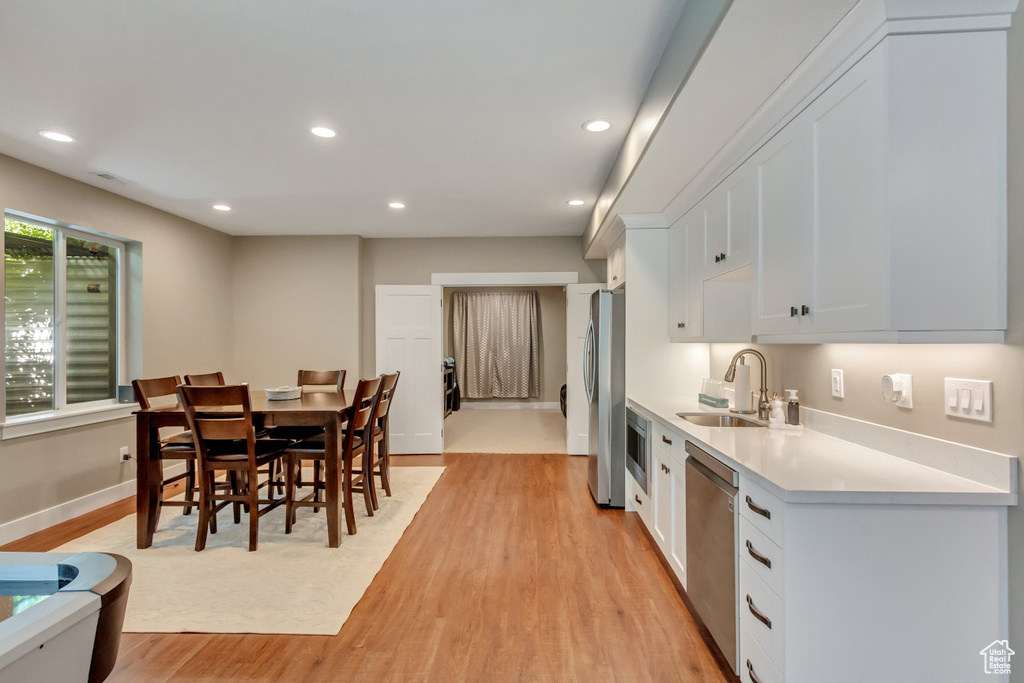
x,y
637,446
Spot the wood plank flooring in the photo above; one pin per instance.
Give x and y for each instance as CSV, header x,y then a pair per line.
x,y
509,572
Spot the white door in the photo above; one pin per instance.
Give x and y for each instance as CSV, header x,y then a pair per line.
x,y
577,408
409,339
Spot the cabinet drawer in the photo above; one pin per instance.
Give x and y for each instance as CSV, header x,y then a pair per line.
x,y
764,510
761,611
762,555
755,666
637,500
663,437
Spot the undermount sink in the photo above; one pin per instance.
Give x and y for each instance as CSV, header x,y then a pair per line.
x,y
705,420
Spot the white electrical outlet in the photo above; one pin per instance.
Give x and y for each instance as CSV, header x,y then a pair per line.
x,y
125,455
837,383
970,399
898,388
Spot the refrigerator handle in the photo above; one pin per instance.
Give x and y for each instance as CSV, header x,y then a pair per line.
x,y
588,361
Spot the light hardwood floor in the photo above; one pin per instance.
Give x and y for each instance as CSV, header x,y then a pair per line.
x,y
509,572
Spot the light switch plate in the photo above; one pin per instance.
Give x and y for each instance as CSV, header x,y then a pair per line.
x,y
970,399
837,383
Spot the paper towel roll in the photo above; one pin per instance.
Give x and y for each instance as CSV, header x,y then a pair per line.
x,y
741,385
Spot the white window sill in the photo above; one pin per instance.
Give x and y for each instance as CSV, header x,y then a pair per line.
x,y
40,423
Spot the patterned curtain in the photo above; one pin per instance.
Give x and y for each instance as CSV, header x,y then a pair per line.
x,y
497,349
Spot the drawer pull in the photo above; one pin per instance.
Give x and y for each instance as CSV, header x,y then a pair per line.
x,y
764,512
757,613
750,672
637,499
667,470
758,556
793,312
668,441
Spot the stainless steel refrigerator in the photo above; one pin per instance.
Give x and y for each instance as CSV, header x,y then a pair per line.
x,y
604,376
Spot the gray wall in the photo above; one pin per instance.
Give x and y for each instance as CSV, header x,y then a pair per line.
x,y
552,338
296,305
412,261
186,324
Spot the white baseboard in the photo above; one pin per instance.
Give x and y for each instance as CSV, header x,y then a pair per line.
x,y
44,519
495,405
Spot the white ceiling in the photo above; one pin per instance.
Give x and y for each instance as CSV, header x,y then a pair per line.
x,y
469,111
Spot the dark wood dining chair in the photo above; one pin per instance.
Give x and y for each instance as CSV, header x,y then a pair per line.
x,y
313,381
210,379
177,446
220,418
377,462
355,439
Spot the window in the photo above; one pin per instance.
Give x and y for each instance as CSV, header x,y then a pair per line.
x,y
62,309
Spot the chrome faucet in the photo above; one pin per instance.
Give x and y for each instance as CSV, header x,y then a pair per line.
x,y
763,406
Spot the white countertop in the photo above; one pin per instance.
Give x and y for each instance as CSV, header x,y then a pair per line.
x,y
811,467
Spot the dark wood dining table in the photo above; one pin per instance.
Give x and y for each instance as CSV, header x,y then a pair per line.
x,y
321,409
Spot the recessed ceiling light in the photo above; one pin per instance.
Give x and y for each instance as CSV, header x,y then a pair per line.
x,y
323,132
222,207
55,136
397,205
575,202
597,125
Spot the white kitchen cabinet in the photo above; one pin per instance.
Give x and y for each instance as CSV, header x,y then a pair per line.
x,y
662,495
730,220
704,306
888,182
617,263
685,245
677,540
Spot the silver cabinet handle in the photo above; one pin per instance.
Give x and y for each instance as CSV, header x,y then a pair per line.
x,y
764,512
637,499
750,672
757,613
668,441
758,556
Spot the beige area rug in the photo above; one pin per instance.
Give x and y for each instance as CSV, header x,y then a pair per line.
x,y
292,584
504,430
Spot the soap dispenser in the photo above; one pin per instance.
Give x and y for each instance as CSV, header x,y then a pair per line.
x,y
793,408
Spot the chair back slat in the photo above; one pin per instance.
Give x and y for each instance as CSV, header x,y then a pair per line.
x,y
148,389
360,413
322,378
223,429
210,379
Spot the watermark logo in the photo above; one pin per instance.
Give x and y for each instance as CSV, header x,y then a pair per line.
x,y
997,657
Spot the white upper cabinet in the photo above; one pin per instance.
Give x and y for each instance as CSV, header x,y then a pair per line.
x,y
685,265
882,204
731,216
617,263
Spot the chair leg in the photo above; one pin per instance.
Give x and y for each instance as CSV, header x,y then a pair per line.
x,y
370,483
289,492
205,520
236,507
385,467
317,478
190,486
254,511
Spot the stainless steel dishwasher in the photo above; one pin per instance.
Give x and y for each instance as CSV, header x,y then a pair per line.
x,y
711,532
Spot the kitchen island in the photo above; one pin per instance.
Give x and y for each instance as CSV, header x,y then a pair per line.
x,y
854,564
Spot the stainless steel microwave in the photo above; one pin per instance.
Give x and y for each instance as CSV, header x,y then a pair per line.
x,y
637,447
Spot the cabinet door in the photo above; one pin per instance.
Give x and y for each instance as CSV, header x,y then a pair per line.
x,y
662,499
851,264
617,263
677,484
684,313
782,269
730,219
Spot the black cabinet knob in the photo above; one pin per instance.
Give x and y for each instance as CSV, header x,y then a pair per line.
x,y
680,325
793,312
805,310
